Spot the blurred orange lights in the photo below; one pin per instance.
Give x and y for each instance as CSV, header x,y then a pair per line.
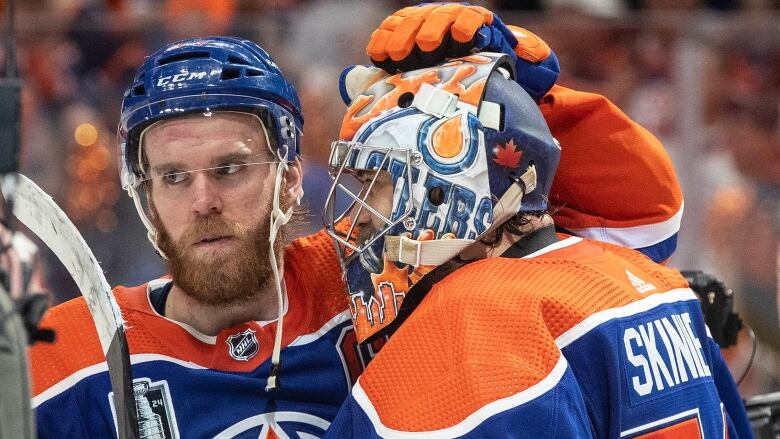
x,y
85,134
93,190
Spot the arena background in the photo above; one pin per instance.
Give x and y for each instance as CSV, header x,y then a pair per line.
x,y
703,75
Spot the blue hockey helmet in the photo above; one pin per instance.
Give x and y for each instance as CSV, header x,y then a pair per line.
x,y
205,75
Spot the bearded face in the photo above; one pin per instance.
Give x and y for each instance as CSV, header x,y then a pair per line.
x,y
226,276
209,190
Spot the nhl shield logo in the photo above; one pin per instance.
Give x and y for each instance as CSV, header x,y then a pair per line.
x,y
243,345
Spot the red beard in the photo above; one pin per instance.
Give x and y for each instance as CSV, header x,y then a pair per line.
x,y
227,276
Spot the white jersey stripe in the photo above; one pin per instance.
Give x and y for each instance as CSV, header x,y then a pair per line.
x,y
472,421
667,420
555,246
648,303
95,369
634,237
330,324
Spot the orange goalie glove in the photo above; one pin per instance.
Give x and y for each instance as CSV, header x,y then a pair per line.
x,y
426,34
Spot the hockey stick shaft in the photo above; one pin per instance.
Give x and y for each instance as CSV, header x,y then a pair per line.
x,y
35,209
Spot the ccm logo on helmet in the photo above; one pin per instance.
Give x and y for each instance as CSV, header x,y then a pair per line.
x,y
179,77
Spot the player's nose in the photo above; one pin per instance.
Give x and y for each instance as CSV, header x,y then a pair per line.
x,y
206,198
361,215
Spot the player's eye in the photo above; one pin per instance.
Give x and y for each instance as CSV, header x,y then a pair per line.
x,y
229,169
174,177
365,177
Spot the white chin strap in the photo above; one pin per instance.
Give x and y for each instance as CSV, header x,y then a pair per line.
x,y
278,219
438,251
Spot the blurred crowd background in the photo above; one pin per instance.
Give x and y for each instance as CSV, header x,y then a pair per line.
x,y
703,75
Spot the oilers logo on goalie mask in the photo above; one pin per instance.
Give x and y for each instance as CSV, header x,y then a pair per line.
x,y
448,151
449,146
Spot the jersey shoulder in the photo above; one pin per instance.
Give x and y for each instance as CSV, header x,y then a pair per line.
x,y
493,327
669,278
600,146
471,330
76,345
312,266
561,287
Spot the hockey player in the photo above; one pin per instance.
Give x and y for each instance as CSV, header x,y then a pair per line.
x,y
498,326
202,118
210,133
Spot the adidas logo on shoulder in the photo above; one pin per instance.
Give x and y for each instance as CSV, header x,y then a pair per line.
x,y
641,286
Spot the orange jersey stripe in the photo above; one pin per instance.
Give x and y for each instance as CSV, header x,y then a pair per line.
x,y
688,429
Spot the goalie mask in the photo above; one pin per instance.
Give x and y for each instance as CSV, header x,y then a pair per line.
x,y
441,156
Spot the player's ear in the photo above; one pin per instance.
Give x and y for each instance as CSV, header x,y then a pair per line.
x,y
293,179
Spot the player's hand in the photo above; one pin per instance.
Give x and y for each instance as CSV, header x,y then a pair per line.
x,y
426,34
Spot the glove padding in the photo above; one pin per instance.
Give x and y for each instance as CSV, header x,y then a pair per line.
x,y
425,35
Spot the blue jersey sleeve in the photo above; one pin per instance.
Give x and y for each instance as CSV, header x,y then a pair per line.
x,y
60,417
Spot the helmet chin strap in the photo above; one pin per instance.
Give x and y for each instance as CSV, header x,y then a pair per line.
x,y
278,219
438,251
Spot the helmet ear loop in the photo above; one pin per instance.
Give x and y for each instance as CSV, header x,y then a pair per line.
x,y
510,224
490,237
518,222
151,231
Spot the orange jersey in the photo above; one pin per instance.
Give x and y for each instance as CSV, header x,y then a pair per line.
x,y
186,374
615,182
579,339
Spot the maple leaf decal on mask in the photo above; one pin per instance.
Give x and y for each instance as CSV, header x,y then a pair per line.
x,y
508,155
